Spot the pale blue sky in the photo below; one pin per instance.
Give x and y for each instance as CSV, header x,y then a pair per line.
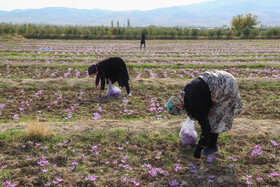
x,y
92,4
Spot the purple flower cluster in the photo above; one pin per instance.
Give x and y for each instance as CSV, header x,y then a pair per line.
x,y
157,109
8,183
174,183
211,158
91,178
274,143
257,150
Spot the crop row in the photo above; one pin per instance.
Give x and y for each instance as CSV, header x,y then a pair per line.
x,y
157,51
65,102
64,72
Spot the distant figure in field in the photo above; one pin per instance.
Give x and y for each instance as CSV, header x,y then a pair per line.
x,y
112,70
143,40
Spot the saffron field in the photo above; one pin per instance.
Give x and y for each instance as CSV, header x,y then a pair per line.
x,y
57,132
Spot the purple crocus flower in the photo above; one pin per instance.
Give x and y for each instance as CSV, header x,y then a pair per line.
x,y
96,116
124,179
47,184
94,148
274,143
210,180
249,176
174,183
230,165
211,158
249,182
91,178
15,117
46,148
7,183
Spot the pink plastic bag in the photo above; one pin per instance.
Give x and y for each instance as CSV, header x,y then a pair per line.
x,y
188,134
113,90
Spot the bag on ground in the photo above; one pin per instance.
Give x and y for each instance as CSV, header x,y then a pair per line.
x,y
188,134
113,90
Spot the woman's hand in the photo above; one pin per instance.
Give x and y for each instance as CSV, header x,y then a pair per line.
x,y
109,80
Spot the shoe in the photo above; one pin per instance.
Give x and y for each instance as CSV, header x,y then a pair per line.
x,y
209,150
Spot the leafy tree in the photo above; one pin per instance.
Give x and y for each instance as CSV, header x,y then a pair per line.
x,y
228,34
187,32
219,33
211,33
240,22
194,33
269,33
250,21
246,31
236,22
254,33
275,32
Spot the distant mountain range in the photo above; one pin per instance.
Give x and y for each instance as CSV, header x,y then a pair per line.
x,y
208,14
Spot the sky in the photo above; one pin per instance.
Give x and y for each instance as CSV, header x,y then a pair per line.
x,y
92,4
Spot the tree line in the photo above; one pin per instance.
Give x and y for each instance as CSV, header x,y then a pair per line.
x,y
242,27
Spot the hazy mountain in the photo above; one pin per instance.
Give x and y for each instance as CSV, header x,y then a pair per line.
x,y
209,13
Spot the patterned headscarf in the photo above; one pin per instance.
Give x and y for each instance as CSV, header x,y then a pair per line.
x,y
175,104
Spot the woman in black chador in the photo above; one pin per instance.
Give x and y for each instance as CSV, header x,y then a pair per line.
x,y
212,99
112,70
143,40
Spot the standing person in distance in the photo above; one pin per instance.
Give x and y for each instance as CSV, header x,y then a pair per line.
x,y
111,70
212,99
143,40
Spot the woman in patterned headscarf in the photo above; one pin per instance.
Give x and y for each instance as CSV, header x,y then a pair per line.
x,y
212,99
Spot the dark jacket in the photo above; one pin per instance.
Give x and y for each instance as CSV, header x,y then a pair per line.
x,y
115,69
198,102
143,38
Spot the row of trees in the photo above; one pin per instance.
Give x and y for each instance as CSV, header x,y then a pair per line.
x,y
242,27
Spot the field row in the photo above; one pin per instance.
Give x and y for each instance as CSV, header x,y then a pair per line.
x,y
66,72
61,102
187,52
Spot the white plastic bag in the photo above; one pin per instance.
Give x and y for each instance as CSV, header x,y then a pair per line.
x,y
113,90
188,134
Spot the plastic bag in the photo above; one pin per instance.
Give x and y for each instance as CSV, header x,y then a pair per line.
x,y
113,90
188,134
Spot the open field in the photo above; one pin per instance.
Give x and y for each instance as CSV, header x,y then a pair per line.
x,y
130,141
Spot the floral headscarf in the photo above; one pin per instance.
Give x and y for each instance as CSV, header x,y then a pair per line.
x,y
175,104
